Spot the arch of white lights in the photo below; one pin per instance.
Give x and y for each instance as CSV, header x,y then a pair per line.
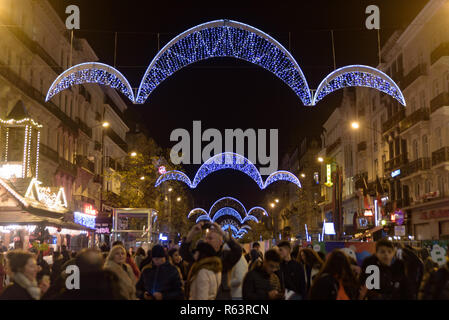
x,y
226,38
360,76
91,72
228,160
222,208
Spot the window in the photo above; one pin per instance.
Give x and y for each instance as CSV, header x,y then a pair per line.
x,y
376,167
415,149
422,99
441,185
425,147
438,138
417,191
413,104
428,186
436,88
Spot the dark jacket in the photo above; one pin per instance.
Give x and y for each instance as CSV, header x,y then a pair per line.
x,y
257,284
15,292
164,279
229,258
394,284
437,286
326,288
97,285
291,275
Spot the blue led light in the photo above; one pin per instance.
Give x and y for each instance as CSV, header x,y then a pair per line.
x,y
360,76
91,72
229,160
83,219
224,38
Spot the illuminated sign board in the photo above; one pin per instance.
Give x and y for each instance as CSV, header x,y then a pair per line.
x,y
162,170
395,173
86,220
368,213
329,228
328,175
162,237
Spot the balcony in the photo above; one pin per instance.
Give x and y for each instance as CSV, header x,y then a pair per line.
x,y
85,163
333,146
22,85
361,146
421,114
113,164
394,120
396,162
415,73
67,166
439,101
441,51
97,178
117,140
439,156
415,166
48,152
360,180
84,127
114,107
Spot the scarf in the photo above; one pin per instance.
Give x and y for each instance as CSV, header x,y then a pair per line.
x,y
211,263
30,286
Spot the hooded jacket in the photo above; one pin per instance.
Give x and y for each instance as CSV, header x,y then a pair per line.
x,y
204,279
164,279
258,283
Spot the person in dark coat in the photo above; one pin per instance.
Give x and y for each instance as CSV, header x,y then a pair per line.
x,y
95,282
146,261
394,284
256,247
176,259
24,270
336,280
56,267
216,237
291,273
262,283
436,287
159,280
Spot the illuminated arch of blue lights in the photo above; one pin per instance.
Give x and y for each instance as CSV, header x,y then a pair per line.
x,y
228,160
91,72
358,76
226,38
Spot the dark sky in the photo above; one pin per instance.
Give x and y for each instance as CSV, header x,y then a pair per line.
x,y
228,93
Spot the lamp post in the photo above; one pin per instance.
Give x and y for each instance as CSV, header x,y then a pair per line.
x,y
334,181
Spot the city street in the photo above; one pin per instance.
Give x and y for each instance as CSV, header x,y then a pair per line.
x,y
243,152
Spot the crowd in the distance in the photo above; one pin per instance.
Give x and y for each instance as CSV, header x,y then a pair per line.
x,y
211,265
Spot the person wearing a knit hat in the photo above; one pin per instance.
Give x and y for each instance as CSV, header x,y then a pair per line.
x,y
160,280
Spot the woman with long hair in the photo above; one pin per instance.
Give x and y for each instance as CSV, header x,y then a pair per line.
x,y
2,271
116,262
336,280
204,277
312,263
23,268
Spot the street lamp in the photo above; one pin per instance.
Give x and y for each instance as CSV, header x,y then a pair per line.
x,y
142,178
303,175
272,205
320,159
178,199
355,125
170,189
276,200
105,124
133,154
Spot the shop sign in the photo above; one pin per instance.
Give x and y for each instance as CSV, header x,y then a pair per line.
x,y
399,231
435,214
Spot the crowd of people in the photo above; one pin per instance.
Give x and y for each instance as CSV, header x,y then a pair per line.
x,y
211,265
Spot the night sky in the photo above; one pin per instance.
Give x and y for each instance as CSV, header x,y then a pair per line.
x,y
229,93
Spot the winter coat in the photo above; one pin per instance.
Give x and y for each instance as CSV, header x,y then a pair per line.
x,y
134,267
437,285
394,284
309,274
326,288
237,275
127,279
257,283
228,259
164,279
291,275
98,285
204,279
15,292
